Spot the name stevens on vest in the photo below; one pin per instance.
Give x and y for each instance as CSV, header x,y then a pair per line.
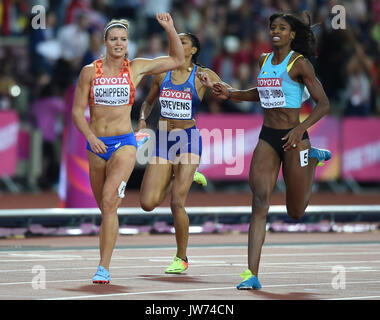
x,y
175,105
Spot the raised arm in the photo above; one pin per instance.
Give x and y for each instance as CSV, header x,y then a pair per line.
x,y
225,91
141,67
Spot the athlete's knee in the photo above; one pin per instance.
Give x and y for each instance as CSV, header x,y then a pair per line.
x,y
147,205
296,213
108,205
261,200
177,204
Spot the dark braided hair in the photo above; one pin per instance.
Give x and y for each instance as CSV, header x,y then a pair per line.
x,y
304,41
195,43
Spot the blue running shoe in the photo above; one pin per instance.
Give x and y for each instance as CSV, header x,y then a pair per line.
x,y
249,282
102,276
320,155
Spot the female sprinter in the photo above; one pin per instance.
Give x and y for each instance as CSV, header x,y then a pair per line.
x,y
178,142
108,86
283,139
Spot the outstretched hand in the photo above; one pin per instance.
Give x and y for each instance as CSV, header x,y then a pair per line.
x,y
220,90
165,20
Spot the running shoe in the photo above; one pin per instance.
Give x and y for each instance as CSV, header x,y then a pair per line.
x,y
200,179
249,282
320,155
141,138
179,265
102,276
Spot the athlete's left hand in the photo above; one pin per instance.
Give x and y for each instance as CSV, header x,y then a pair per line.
x,y
293,138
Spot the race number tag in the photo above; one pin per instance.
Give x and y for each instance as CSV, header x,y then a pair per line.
x,y
121,189
304,158
176,104
111,91
270,92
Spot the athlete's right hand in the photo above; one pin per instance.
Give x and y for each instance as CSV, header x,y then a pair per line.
x,y
96,144
165,20
220,90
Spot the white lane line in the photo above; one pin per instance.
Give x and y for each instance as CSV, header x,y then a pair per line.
x,y
348,268
356,298
269,246
153,276
297,264
197,290
57,257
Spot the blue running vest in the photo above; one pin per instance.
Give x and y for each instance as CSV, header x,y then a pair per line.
x,y
179,101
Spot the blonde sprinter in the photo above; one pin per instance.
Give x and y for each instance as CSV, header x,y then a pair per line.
x,y
108,86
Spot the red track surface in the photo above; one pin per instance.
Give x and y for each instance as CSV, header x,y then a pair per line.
x,y
294,266
50,199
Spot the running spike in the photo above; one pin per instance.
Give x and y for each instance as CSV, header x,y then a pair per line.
x,y
200,179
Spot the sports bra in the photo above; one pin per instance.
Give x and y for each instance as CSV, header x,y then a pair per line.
x,y
112,91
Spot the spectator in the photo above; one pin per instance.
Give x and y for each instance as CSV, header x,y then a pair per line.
x,y
38,37
74,8
75,40
96,48
358,90
260,43
46,112
150,9
225,63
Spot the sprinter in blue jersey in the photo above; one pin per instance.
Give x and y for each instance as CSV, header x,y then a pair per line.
x,y
178,142
284,74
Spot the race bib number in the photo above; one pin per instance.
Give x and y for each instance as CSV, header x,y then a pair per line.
x,y
270,92
304,158
111,91
176,104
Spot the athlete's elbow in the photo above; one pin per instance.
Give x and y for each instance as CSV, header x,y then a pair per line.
x,y
75,114
326,107
179,61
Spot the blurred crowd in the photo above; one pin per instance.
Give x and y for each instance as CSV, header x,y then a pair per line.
x,y
39,65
